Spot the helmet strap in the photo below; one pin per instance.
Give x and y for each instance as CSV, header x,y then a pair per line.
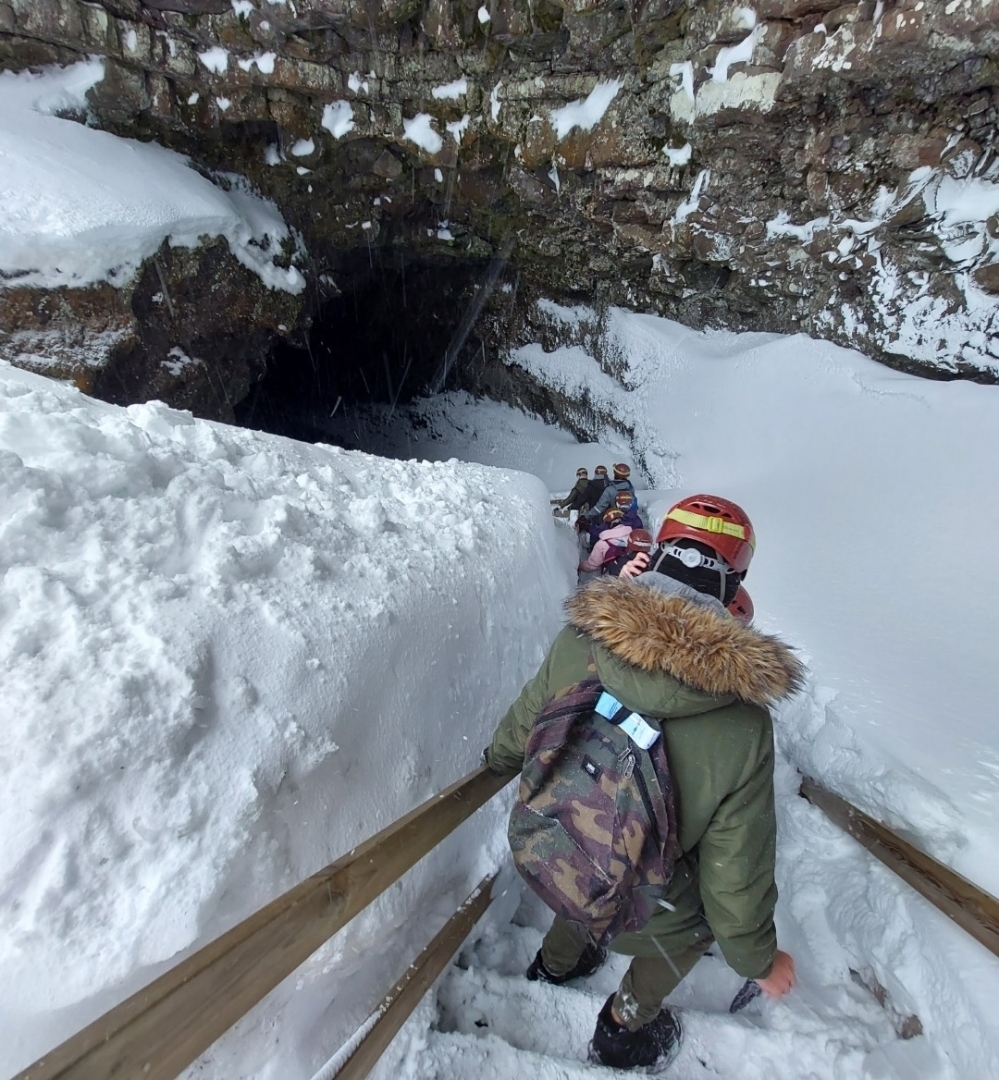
x,y
692,559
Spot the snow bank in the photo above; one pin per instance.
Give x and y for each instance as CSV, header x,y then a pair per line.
x,y
82,205
228,658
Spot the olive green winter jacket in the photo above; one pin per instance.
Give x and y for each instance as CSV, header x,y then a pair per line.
x,y
576,495
709,680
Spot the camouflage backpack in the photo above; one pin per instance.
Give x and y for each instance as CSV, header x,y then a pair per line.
x,y
593,831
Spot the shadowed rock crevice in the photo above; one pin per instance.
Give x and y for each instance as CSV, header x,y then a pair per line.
x,y
386,337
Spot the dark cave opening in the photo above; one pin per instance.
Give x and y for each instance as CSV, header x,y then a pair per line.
x,y
383,332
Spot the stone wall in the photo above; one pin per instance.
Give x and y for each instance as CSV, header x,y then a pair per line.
x,y
772,165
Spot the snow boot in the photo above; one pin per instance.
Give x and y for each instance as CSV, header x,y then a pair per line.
x,y
590,959
654,1044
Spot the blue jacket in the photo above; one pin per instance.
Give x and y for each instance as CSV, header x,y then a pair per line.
x,y
607,499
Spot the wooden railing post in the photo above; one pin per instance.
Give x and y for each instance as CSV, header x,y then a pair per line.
x,y
156,1033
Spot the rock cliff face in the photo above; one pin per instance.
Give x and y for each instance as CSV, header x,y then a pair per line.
x,y
773,165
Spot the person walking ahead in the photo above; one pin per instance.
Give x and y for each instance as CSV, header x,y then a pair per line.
x,y
664,645
575,500
596,486
620,482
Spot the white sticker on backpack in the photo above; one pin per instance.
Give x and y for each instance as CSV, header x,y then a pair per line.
x,y
640,731
635,726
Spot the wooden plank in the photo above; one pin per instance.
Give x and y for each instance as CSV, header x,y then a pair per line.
x,y
402,999
973,909
157,1032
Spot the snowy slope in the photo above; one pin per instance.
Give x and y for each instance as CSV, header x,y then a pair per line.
x,y
227,658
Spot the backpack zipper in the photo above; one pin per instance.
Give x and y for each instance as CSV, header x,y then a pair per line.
x,y
643,790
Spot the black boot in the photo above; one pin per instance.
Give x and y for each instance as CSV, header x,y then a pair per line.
x,y
655,1043
589,960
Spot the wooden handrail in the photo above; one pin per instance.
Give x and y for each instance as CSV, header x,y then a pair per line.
x,y
156,1033
381,1026
973,909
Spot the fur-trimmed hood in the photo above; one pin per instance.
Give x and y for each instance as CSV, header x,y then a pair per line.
x,y
672,635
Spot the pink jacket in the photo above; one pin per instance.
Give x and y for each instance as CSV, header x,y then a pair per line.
x,y
611,543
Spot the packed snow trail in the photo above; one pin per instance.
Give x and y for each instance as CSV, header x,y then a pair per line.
x,y
489,1021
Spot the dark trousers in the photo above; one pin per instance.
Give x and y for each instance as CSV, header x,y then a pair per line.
x,y
663,953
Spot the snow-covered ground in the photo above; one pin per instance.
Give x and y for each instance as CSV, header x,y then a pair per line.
x,y
228,657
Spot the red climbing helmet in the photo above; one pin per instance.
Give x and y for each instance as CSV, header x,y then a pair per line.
x,y
612,517
622,471
600,470
640,540
624,499
742,606
581,472
719,523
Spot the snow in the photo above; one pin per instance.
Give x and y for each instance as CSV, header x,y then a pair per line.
x,y
82,205
685,73
735,54
926,326
451,91
689,205
217,645
585,114
338,118
216,59
484,15
420,130
303,148
494,101
853,567
264,62
356,84
180,361
678,156
204,604
457,128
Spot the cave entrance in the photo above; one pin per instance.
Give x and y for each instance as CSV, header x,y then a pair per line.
x,y
386,328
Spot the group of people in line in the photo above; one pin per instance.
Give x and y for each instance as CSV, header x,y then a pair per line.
x,y
613,533
662,640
